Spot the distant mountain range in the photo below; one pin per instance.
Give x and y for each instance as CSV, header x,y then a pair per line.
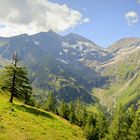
x,y
73,67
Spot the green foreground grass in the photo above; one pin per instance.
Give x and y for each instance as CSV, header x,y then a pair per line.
x,y
21,122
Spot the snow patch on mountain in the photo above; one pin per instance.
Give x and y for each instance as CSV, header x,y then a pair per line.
x,y
65,50
37,42
79,45
63,61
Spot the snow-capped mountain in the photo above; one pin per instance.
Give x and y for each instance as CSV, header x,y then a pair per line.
x,y
50,57
74,64
70,49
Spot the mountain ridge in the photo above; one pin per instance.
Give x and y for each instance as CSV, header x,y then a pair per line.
x,y
75,64
69,34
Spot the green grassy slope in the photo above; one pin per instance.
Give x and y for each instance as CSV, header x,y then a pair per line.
x,y
124,85
21,122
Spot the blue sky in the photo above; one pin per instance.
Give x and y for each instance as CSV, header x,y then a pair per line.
x,y
107,19
102,21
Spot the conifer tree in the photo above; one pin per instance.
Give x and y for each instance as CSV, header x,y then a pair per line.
x,y
71,115
90,132
118,128
80,113
130,115
90,129
51,104
16,81
101,125
63,110
134,132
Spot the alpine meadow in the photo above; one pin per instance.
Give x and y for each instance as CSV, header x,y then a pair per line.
x,y
56,83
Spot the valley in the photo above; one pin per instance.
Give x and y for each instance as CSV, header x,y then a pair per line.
x,y
74,67
69,70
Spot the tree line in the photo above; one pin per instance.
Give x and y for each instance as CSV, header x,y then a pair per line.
x,y
123,124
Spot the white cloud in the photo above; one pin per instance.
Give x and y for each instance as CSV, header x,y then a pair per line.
x,y
31,16
131,17
85,20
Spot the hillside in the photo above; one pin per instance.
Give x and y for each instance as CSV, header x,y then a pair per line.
x,y
74,67
123,72
55,66
22,122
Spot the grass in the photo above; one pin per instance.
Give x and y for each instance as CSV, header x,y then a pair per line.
x,y
21,122
131,92
124,88
122,93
